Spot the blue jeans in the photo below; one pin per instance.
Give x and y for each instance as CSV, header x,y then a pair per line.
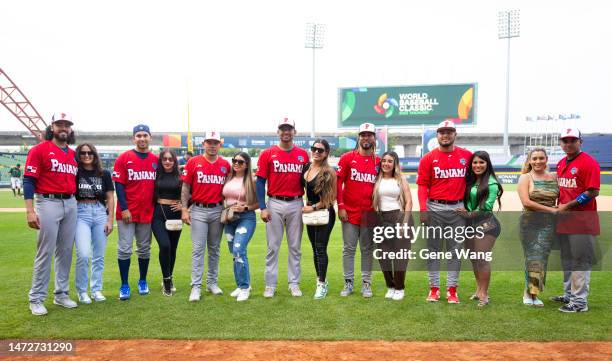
x,y
239,233
90,244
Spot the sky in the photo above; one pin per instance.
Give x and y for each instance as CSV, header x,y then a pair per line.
x,y
242,65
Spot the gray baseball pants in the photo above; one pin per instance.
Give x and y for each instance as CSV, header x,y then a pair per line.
x,y
206,230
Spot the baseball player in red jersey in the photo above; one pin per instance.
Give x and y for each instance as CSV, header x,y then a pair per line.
x,y
50,177
281,167
356,175
203,179
134,176
441,183
578,176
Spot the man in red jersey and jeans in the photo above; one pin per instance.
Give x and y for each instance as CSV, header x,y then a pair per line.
x,y
441,183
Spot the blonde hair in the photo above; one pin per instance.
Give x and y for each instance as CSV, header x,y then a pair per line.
x,y
397,175
527,166
247,181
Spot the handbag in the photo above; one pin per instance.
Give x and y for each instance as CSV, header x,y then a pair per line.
x,y
228,215
172,224
316,218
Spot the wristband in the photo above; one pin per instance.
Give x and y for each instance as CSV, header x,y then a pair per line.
x,y
583,199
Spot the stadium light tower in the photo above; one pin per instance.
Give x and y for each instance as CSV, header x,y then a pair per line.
x,y
314,41
508,28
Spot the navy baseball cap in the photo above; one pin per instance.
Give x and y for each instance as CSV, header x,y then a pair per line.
x,y
141,128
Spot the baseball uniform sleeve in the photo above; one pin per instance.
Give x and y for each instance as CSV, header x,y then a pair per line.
x,y
262,164
33,165
119,170
187,176
592,176
343,165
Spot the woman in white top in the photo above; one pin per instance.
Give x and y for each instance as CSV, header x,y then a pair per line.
x,y
239,194
392,201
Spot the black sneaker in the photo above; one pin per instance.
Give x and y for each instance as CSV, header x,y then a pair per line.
x,y
560,299
572,308
167,287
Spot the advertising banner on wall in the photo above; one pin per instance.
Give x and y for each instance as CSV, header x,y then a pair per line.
x,y
407,105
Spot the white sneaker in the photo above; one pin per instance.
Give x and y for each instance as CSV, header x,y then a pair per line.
x,y
269,292
390,293
244,294
398,295
98,296
295,291
214,289
38,309
236,292
64,301
84,298
195,294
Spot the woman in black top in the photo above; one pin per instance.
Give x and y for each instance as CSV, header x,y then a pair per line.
x,y
167,198
95,210
320,182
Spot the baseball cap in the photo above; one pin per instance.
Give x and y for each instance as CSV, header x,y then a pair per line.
x,y
446,124
60,116
212,135
286,121
367,127
570,133
141,128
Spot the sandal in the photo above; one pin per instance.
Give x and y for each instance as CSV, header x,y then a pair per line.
x,y
474,297
483,303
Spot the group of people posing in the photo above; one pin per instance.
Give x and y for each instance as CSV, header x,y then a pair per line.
x,y
75,205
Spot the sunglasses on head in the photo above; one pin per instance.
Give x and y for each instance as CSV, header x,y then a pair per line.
x,y
238,161
86,153
317,150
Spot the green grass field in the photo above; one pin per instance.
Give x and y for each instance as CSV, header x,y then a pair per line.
x,y
284,317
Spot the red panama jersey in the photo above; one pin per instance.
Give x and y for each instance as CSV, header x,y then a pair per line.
x,y
443,173
138,178
577,176
54,169
283,170
206,179
356,178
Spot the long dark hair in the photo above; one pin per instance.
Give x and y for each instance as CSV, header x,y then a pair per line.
x,y
97,165
160,170
483,188
325,185
49,135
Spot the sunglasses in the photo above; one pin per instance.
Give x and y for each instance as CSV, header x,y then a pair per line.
x,y
167,159
86,154
317,150
238,161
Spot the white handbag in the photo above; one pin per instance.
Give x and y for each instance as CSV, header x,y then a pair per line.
x,y
174,224
316,218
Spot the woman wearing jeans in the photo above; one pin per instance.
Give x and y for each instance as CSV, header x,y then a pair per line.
x,y
167,198
239,194
95,210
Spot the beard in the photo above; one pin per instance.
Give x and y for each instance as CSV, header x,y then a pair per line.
x,y
366,145
61,136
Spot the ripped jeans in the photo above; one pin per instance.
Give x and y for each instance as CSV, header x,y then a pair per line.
x,y
239,233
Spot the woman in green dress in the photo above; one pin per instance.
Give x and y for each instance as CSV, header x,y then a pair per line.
x,y
538,191
482,191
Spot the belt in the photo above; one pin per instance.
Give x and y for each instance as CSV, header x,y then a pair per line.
x,y
208,205
286,199
442,201
57,196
